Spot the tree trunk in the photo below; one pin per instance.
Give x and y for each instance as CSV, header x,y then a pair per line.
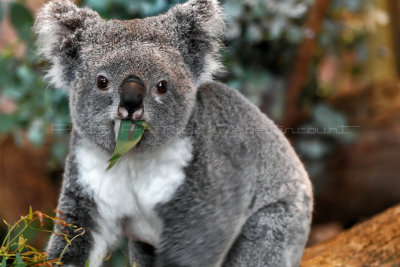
x,y
305,55
375,242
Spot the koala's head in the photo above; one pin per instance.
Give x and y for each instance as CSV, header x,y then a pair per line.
x,y
145,69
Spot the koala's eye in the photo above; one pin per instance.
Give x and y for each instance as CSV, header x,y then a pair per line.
x,y
162,87
102,82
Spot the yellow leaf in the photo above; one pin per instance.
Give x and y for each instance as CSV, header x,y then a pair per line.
x,y
21,241
30,216
4,221
67,240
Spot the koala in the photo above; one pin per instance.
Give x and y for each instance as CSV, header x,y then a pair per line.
x,y
213,182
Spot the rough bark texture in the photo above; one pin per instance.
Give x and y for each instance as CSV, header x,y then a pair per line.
x,y
375,242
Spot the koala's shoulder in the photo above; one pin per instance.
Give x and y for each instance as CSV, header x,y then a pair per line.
x,y
224,99
220,92
223,105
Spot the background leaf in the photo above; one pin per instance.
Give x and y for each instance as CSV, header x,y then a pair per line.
x,y
1,12
22,20
20,262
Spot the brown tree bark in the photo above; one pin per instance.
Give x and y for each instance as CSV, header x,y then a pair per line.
x,y
375,242
24,180
306,52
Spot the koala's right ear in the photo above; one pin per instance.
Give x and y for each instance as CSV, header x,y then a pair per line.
x,y
58,26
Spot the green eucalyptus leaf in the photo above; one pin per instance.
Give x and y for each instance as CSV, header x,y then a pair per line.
x,y
129,135
7,123
22,20
313,149
20,262
3,262
26,75
1,12
99,5
327,117
36,132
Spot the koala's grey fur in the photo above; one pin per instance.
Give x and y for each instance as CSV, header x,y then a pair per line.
x,y
245,200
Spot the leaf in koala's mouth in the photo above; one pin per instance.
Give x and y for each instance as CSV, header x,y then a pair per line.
x,y
129,135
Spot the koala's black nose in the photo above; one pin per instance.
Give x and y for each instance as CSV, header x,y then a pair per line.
x,y
131,98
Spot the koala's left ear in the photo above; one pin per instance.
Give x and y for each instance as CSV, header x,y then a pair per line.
x,y
198,27
58,26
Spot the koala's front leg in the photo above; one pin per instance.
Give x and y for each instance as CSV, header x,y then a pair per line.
x,y
77,208
274,236
196,237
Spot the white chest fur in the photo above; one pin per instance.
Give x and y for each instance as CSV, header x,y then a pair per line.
x,y
127,194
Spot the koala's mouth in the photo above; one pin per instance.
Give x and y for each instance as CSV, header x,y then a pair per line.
x,y
117,126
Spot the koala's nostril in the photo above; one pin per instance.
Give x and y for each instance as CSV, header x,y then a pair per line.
x,y
137,114
122,112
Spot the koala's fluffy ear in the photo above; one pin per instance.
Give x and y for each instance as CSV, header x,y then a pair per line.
x,y
198,26
59,26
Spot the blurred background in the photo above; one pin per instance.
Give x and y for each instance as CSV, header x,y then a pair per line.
x,y
326,71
